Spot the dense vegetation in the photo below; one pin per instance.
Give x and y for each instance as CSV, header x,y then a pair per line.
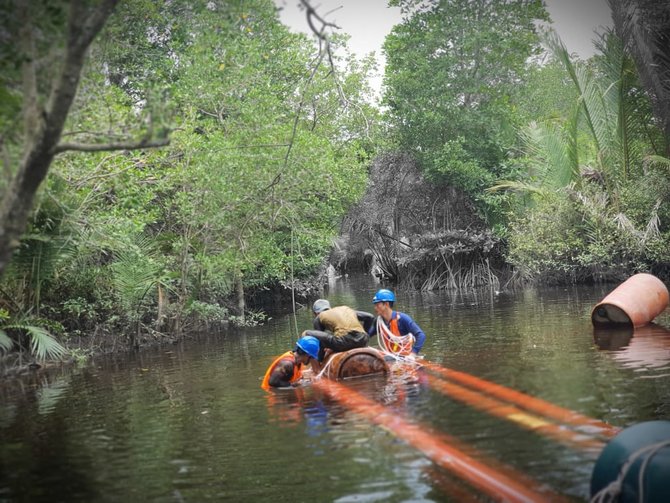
x,y
563,159
267,151
494,151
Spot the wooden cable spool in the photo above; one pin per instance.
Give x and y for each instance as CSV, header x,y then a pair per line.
x,y
355,363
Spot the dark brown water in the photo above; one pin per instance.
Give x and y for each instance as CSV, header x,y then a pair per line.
x,y
190,422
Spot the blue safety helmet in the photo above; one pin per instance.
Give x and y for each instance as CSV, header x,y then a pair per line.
x,y
383,295
309,345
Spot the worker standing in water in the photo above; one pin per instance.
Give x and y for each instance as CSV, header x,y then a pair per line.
x,y
286,369
339,328
397,323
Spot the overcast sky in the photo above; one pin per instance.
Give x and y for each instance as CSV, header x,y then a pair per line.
x,y
369,21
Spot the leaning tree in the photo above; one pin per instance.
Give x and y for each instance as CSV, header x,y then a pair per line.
x,y
43,48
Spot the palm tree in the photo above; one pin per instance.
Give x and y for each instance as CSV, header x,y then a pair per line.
x,y
644,26
609,109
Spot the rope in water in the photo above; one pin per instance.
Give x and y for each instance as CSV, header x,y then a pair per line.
x,y
323,370
398,347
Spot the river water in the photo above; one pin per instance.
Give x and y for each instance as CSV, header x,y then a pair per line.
x,y
190,423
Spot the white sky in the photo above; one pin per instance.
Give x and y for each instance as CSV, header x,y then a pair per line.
x,y
369,21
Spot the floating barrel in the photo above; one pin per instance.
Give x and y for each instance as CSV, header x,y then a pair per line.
x,y
355,363
634,466
635,302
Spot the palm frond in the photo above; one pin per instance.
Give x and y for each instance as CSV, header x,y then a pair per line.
x,y
579,76
6,342
42,344
658,160
624,224
610,103
135,270
652,230
643,27
572,133
552,153
517,187
622,100
39,259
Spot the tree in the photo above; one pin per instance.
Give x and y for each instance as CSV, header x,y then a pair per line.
x,y
44,92
598,208
451,66
268,149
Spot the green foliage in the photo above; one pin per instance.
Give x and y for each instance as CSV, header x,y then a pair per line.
x,y
42,344
455,166
136,271
267,153
207,312
548,93
451,68
576,236
599,194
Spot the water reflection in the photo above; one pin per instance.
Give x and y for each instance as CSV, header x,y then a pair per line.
x,y
642,348
190,422
401,388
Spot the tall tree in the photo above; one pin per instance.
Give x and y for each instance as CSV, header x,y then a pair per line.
x,y
43,91
450,67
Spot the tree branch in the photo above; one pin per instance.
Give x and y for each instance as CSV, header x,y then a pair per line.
x,y
106,147
311,12
80,35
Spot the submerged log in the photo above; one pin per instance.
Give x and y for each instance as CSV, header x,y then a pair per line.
x,y
356,363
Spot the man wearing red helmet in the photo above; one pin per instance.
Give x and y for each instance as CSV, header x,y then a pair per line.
x,y
399,324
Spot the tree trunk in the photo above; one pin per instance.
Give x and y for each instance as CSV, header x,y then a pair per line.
x,y
45,126
239,288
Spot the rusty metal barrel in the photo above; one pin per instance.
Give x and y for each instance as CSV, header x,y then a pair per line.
x,y
635,302
356,363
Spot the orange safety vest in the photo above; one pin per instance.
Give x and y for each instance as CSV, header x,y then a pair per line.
x,y
393,325
297,370
395,330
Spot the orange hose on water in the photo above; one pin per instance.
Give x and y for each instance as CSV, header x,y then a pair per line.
x,y
500,486
525,401
511,413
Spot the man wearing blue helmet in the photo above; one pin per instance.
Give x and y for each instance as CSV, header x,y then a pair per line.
x,y
286,370
399,324
339,328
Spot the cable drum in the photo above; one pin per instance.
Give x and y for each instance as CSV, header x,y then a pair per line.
x,y
355,363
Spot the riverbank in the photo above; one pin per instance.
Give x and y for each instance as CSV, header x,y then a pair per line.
x,y
262,305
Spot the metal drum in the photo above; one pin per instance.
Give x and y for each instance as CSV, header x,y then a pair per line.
x,y
635,302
